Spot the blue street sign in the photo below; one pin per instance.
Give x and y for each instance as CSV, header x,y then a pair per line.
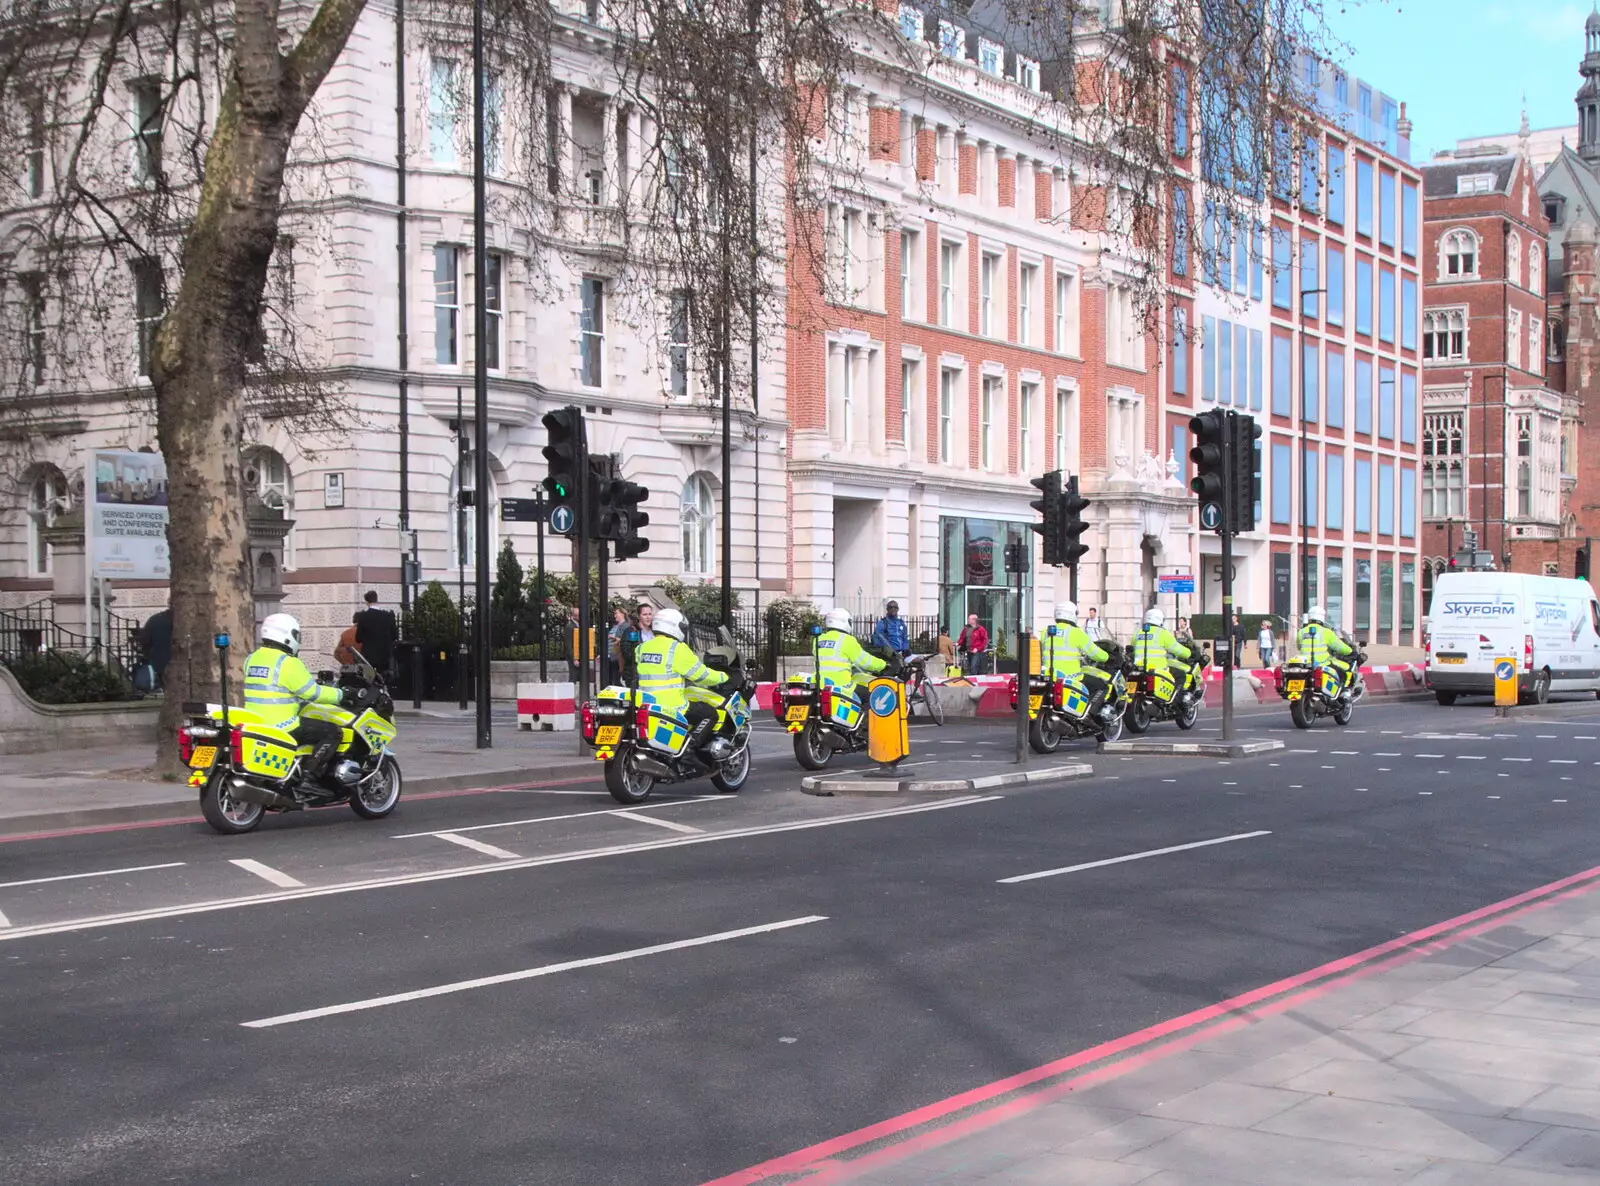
x,y
1505,669
561,520
884,702
1210,515
1177,582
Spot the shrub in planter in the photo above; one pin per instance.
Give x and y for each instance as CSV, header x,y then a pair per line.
x,y
53,677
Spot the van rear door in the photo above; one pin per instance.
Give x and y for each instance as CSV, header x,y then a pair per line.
x,y
1474,619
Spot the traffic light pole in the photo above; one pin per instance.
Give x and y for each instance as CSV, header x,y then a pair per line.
x,y
1227,588
581,532
1024,674
538,604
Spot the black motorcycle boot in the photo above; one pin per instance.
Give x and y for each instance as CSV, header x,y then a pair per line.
x,y
317,763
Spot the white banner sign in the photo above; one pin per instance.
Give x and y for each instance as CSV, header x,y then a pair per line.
x,y
128,516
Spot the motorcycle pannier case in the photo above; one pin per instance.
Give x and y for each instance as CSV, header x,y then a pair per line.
x,y
1328,682
269,752
1162,686
1074,700
668,730
846,709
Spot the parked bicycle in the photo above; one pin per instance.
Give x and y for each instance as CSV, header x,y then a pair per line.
x,y
921,694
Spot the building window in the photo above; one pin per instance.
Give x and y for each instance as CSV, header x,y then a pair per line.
x,y
1180,112
592,330
1124,341
1310,173
910,23
1282,270
1458,254
1025,279
149,306
989,397
697,522
988,271
268,477
1310,289
1027,73
1524,466
1364,395
1386,307
910,257
1444,335
1514,259
679,322
990,56
1443,460
1363,296
842,410
1514,338
1386,210
1180,351
1027,394
1556,349
33,154
442,107
1333,397
1363,197
1334,283
1475,183
949,262
1409,219
47,498
908,398
1282,484
1062,459
446,305
1363,498
1552,211
1066,313
952,41
1282,376
1535,337
947,414
1335,184
494,310
147,116
33,340
1386,396
1334,499
1536,268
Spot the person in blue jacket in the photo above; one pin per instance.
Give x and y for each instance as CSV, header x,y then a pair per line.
x,y
891,634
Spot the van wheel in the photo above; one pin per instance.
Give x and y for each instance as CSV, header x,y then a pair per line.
x,y
1449,698
1540,692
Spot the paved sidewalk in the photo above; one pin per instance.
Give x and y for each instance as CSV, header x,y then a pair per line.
x,y
1468,1055
113,783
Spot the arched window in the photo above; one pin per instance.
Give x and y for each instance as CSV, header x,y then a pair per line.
x,y
1556,348
267,476
48,497
1458,252
1514,260
1536,268
464,528
697,517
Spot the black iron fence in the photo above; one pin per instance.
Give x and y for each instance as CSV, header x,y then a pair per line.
x,y
45,654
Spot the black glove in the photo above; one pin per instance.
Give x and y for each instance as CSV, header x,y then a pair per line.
x,y
357,698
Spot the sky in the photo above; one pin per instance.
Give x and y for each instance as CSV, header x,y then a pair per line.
x,y
1462,67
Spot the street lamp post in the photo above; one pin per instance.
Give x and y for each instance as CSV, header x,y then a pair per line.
x,y
480,388
1305,516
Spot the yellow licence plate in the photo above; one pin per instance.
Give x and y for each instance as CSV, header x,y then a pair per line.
x,y
797,712
203,757
1296,685
1452,659
608,735
1034,702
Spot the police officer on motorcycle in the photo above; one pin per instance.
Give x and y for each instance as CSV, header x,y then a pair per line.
x,y
1322,646
277,683
667,667
1068,649
1155,648
841,658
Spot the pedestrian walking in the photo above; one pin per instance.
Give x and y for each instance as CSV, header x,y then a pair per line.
x,y
890,635
1236,636
1266,645
974,646
155,644
615,638
376,632
346,652
947,648
1092,626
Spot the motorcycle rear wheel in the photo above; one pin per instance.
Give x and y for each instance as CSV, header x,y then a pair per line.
x,y
1043,736
1137,718
626,782
811,748
730,777
230,816
1300,714
380,795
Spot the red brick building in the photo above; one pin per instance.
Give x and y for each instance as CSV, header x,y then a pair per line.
x,y
1497,430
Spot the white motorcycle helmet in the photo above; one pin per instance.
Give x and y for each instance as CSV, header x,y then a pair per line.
x,y
1154,617
1314,613
837,619
669,622
283,629
1066,611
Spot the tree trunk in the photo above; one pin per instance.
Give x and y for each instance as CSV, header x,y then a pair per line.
x,y
199,365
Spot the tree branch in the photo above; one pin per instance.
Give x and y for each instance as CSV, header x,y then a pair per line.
x,y
320,46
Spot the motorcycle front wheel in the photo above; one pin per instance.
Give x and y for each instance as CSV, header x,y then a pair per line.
x,y
1344,713
1137,718
811,748
1188,716
230,816
1300,714
626,782
380,794
731,775
1113,731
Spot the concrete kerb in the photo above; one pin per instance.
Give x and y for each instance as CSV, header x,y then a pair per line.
x,y
866,784
1203,749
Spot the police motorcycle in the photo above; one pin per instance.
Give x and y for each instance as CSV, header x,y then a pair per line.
x,y
643,743
1155,696
1058,710
826,721
1319,690
244,768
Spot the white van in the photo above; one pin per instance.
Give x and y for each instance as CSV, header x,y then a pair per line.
x,y
1549,625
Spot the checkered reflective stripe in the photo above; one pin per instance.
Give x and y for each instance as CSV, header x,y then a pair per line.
x,y
668,732
846,710
1074,699
267,757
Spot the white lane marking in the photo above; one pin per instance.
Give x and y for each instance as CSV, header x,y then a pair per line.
x,y
96,873
1382,754
1516,759
1424,792
441,990
1295,786
1494,796
1427,755
660,823
1304,751
547,819
1330,767
267,873
132,916
487,850
1545,737
1583,737
4,921
1558,800
1563,761
1134,856
1355,730
1346,753
1390,732
1230,784
1169,780
1472,757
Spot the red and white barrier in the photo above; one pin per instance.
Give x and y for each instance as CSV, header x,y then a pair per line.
x,y
550,707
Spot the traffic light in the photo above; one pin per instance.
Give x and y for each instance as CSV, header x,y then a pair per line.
x,y
1210,481
563,457
1243,460
627,498
1048,504
600,504
1580,563
1073,526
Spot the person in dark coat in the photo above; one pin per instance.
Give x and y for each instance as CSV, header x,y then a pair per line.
x,y
155,643
376,632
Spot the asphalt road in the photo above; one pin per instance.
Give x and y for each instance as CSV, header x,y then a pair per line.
x,y
705,983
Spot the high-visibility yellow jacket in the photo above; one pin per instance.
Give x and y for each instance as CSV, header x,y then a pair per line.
x,y
1319,644
667,666
840,656
1154,645
276,684
1066,650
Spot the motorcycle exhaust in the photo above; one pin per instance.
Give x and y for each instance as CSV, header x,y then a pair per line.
x,y
248,792
651,765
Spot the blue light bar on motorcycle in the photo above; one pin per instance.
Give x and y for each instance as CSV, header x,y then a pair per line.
x,y
221,641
